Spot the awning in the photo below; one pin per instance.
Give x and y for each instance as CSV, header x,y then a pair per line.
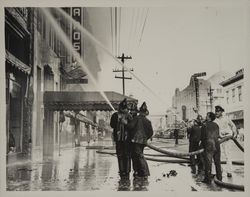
x,y
86,101
17,63
236,115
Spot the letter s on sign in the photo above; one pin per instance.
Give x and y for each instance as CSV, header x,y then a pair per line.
x,y
76,45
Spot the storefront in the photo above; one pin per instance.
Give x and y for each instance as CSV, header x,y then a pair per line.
x,y
17,72
238,118
16,83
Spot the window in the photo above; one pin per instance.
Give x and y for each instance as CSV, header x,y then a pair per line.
x,y
240,93
39,21
227,97
233,95
44,27
51,38
219,90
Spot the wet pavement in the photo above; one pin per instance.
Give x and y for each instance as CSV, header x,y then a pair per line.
x,y
82,169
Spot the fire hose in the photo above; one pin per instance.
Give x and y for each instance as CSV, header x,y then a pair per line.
x,y
150,158
182,154
229,185
184,160
220,183
238,144
164,155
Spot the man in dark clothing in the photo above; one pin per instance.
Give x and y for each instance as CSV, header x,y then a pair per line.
x,y
176,136
140,131
194,144
133,112
118,122
210,135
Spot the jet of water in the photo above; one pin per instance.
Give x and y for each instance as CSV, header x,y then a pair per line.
x,y
97,42
66,42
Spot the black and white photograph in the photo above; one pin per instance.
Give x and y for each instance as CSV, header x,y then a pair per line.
x,y
123,98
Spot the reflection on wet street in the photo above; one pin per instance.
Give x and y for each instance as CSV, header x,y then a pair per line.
x,y
82,169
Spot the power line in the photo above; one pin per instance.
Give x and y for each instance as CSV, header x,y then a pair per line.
x,y
142,31
131,28
97,42
119,41
136,24
112,34
116,31
143,27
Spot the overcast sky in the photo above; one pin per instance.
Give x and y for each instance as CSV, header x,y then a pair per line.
x,y
176,42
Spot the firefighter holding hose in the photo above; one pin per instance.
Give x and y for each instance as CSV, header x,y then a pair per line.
x,y
141,131
210,142
194,133
226,128
118,122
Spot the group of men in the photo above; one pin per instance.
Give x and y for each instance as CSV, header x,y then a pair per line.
x,y
131,130
206,134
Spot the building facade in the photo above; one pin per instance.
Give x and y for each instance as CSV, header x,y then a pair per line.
x,y
199,97
18,75
185,101
233,89
37,61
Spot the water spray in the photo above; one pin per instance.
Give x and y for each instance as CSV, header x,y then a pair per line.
x,y
97,42
63,37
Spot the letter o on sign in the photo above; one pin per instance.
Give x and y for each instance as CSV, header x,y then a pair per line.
x,y
77,35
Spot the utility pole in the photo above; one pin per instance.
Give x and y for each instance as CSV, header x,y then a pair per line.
x,y
210,94
123,71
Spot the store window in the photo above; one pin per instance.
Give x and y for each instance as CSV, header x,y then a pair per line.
x,y
233,95
240,93
227,96
15,115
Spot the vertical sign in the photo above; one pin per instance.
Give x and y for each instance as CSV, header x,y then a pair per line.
x,y
76,34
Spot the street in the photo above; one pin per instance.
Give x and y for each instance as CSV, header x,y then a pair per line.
x,y
81,169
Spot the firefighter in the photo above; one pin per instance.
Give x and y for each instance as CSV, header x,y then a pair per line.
x,y
194,133
141,131
226,128
210,142
118,122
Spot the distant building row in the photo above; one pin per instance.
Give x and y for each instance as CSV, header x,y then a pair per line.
x,y
202,95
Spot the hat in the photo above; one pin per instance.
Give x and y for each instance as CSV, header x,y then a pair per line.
x,y
123,105
219,108
144,108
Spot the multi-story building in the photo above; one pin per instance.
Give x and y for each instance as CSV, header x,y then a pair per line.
x,y
233,89
215,92
185,101
57,70
18,75
38,61
200,96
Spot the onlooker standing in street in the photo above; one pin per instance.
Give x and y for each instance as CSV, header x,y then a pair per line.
x,y
118,122
194,133
176,135
141,130
210,141
12,143
226,128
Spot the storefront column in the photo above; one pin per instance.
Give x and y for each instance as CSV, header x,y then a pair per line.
x,y
48,134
